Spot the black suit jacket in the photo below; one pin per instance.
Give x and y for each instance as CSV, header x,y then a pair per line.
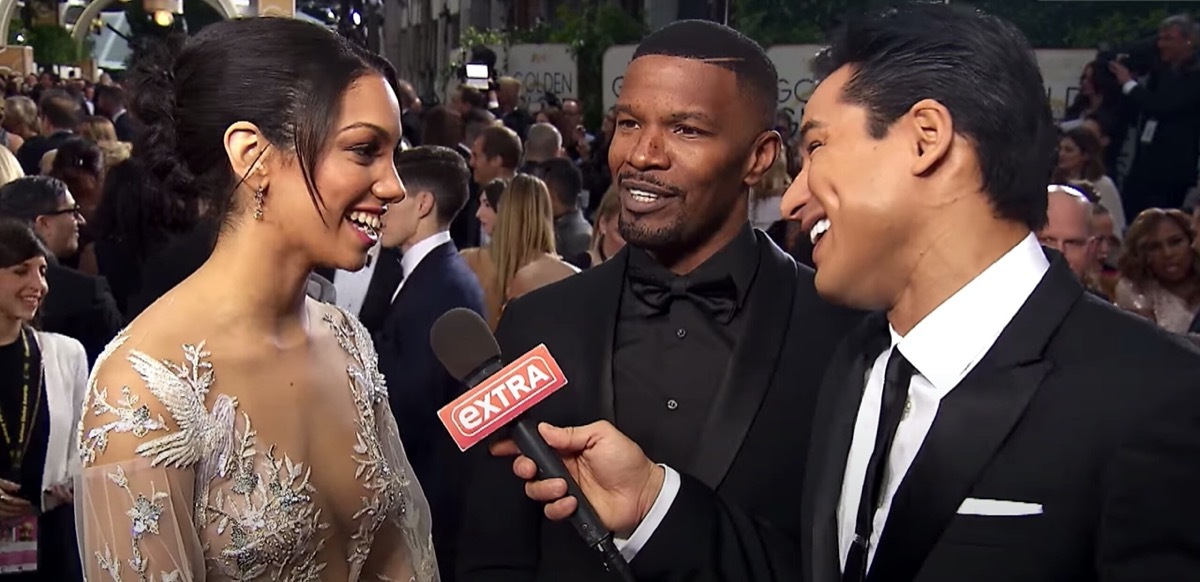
x,y
128,128
80,306
752,449
1086,410
418,385
31,152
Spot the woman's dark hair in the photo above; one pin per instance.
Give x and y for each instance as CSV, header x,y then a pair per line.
x,y
188,93
18,243
1093,153
132,212
492,191
79,163
1133,262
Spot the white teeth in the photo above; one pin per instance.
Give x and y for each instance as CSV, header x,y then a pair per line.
x,y
367,219
818,229
643,196
369,224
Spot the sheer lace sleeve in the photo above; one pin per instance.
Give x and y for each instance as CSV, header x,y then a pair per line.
x,y
139,446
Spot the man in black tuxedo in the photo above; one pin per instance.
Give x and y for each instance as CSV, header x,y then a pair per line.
x,y
976,427
702,339
435,280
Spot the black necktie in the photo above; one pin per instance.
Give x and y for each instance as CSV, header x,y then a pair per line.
x,y
716,297
895,395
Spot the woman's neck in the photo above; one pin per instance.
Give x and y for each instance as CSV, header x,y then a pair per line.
x,y
10,329
255,279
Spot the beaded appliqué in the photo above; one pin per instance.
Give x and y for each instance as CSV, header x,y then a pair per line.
x,y
143,516
269,515
384,485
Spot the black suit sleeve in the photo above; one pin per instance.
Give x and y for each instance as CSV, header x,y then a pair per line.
x,y
1148,530
1175,98
702,539
500,538
101,322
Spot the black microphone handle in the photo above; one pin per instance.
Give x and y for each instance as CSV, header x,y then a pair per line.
x,y
585,520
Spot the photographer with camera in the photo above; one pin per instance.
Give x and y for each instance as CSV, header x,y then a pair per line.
x,y
1167,105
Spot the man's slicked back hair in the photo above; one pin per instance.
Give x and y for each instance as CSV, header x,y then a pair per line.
x,y
981,68
719,45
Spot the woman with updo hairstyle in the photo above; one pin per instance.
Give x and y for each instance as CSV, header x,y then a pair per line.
x,y
521,256
238,430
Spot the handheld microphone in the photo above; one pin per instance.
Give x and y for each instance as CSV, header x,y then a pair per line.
x,y
496,394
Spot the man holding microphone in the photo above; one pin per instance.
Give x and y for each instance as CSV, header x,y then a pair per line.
x,y
972,429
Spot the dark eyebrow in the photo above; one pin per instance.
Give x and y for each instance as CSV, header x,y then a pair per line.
x,y
383,133
808,126
677,117
691,116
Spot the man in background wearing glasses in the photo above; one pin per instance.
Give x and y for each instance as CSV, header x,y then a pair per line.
x,y
78,305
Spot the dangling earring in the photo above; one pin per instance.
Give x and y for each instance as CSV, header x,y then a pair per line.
x,y
259,196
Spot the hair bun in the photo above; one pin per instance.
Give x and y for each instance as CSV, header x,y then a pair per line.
x,y
152,101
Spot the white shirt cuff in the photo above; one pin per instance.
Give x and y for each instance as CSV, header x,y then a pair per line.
x,y
662,504
1128,86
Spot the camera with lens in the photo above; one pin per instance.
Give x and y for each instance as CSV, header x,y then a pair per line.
x,y
1138,56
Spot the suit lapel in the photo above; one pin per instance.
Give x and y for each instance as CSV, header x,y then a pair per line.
x,y
972,424
431,262
750,371
599,315
836,413
384,280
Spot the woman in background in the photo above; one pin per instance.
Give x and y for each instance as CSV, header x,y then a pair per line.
x,y
43,378
606,233
1080,159
1160,271
521,256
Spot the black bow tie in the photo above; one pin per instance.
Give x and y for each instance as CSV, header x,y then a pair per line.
x,y
716,297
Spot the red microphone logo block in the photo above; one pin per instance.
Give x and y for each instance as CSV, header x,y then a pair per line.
x,y
518,386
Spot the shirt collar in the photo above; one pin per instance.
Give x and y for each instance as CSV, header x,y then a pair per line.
x,y
737,259
413,257
954,337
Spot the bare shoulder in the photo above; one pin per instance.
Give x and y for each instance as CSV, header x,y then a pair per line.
x,y
539,273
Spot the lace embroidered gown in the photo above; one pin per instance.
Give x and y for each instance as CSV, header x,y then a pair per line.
x,y
220,485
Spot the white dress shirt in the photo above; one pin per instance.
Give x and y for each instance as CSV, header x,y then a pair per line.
x,y
413,257
352,285
943,348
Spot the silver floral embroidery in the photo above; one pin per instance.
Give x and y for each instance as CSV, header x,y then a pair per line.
x,y
273,526
263,522
144,515
382,484
386,485
131,418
